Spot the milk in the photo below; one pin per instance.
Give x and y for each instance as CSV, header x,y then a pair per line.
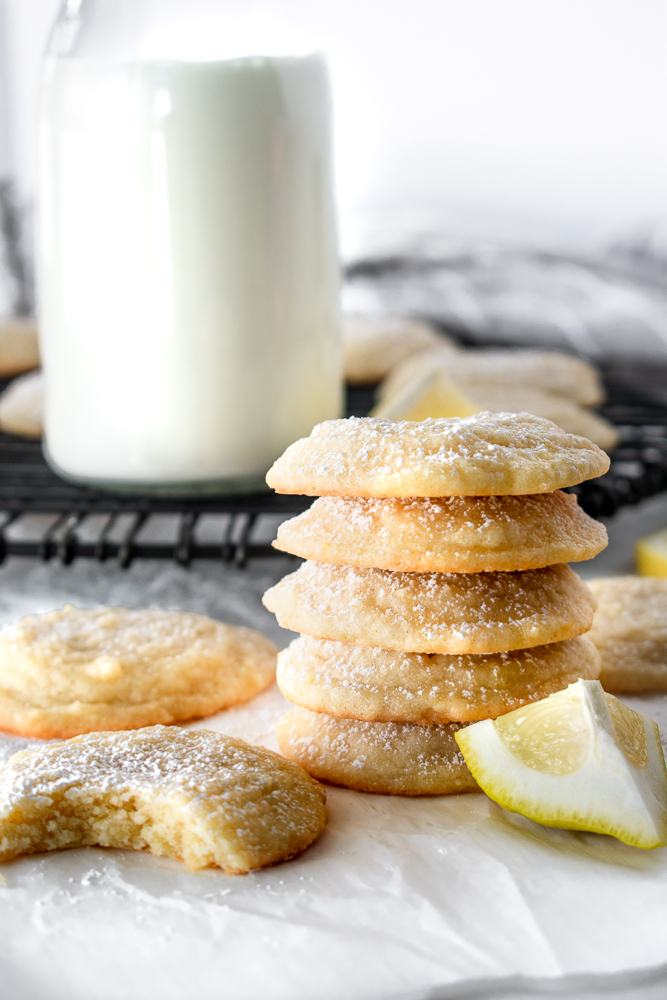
x,y
188,277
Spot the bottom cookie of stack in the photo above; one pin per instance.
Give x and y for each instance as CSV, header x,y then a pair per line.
x,y
378,720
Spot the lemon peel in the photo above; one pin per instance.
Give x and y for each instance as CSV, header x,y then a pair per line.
x,y
651,554
580,760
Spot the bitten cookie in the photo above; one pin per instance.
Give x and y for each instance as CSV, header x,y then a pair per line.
x,y
630,632
385,758
380,685
433,612
77,670
488,454
445,535
206,799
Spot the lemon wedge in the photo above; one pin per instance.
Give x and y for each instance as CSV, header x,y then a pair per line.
x,y
579,759
651,554
429,394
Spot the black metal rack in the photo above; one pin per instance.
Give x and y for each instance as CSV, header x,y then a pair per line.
x,y
637,405
48,518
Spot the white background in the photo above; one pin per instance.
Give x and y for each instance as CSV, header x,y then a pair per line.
x,y
543,113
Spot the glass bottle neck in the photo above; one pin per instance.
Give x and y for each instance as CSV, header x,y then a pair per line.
x,y
187,30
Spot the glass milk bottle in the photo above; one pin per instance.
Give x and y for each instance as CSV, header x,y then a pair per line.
x,y
187,266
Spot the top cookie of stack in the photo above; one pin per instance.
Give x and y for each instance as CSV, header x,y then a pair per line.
x,y
488,454
437,593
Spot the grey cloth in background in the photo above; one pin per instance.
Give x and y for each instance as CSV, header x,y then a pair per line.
x,y
608,304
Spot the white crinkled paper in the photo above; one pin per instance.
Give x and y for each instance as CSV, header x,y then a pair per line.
x,y
400,898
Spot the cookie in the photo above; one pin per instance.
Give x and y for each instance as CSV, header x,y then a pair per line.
x,y
382,757
379,685
206,799
444,535
630,632
19,348
551,371
22,406
78,670
488,454
433,612
373,345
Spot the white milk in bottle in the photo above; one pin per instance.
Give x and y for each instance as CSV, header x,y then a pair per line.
x,y
188,275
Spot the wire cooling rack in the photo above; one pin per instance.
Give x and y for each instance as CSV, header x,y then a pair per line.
x,y
46,518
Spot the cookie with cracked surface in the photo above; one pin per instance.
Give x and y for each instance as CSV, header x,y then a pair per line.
x,y
488,454
198,796
444,534
383,757
630,632
433,612
380,685
77,670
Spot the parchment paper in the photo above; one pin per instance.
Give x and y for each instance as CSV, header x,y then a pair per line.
x,y
400,898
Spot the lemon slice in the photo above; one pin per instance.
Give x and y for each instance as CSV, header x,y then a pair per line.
x,y
429,394
651,553
579,759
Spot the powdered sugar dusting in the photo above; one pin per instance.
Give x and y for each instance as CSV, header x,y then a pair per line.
x,y
394,686
157,759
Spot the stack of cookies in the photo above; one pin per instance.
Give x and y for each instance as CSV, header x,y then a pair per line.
x,y
436,591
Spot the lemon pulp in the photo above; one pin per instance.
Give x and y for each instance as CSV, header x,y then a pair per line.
x,y
430,394
550,738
